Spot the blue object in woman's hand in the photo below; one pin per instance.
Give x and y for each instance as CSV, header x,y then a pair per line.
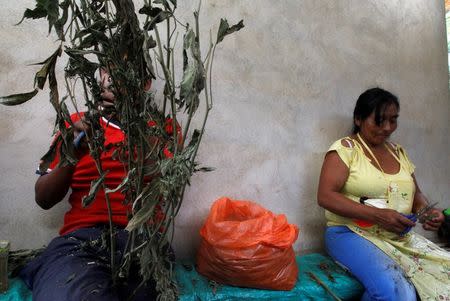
x,y
411,217
417,216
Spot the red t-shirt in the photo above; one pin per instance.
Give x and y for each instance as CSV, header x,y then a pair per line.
x,y
86,172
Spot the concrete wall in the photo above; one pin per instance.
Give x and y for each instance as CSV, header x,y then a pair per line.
x,y
284,87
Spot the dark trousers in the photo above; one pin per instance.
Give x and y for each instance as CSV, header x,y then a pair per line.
x,y
76,267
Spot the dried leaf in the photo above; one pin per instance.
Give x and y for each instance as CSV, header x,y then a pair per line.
x,y
40,11
44,8
161,16
189,39
123,183
150,11
99,25
205,169
95,186
17,99
52,82
225,29
41,76
65,111
193,80
148,43
165,4
187,83
59,25
66,151
194,139
143,214
37,13
49,156
82,52
92,39
79,65
79,15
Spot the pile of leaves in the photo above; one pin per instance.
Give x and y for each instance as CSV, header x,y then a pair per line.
x,y
108,34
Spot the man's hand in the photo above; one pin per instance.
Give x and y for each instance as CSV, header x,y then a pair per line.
x,y
80,128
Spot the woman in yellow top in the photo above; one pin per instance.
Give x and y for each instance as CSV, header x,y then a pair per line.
x,y
368,189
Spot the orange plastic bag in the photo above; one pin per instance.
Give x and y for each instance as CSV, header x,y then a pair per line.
x,y
244,244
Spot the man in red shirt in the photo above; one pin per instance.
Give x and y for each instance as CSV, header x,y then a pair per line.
x,y
76,265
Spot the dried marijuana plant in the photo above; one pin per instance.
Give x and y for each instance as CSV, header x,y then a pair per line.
x,y
159,159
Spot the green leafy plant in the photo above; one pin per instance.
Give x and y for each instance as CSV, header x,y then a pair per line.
x,y
159,159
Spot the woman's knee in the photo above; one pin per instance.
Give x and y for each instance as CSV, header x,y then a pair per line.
x,y
393,288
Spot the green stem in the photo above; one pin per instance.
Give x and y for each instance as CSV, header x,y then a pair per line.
x,y
167,46
210,78
170,87
320,282
111,227
188,124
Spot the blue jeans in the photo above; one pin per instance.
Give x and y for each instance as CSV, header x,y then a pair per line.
x,y
382,278
76,267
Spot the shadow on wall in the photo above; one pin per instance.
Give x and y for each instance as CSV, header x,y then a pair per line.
x,y
310,217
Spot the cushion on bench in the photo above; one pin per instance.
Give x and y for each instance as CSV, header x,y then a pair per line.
x,y
17,291
194,287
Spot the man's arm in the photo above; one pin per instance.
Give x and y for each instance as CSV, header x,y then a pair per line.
x,y
51,188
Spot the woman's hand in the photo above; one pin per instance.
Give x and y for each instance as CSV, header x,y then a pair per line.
x,y
432,219
392,221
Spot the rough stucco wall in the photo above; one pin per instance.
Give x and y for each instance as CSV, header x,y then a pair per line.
x,y
284,89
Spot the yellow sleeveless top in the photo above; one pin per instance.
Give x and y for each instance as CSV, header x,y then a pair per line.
x,y
365,180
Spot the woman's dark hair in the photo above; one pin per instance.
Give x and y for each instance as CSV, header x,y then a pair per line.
x,y
373,100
